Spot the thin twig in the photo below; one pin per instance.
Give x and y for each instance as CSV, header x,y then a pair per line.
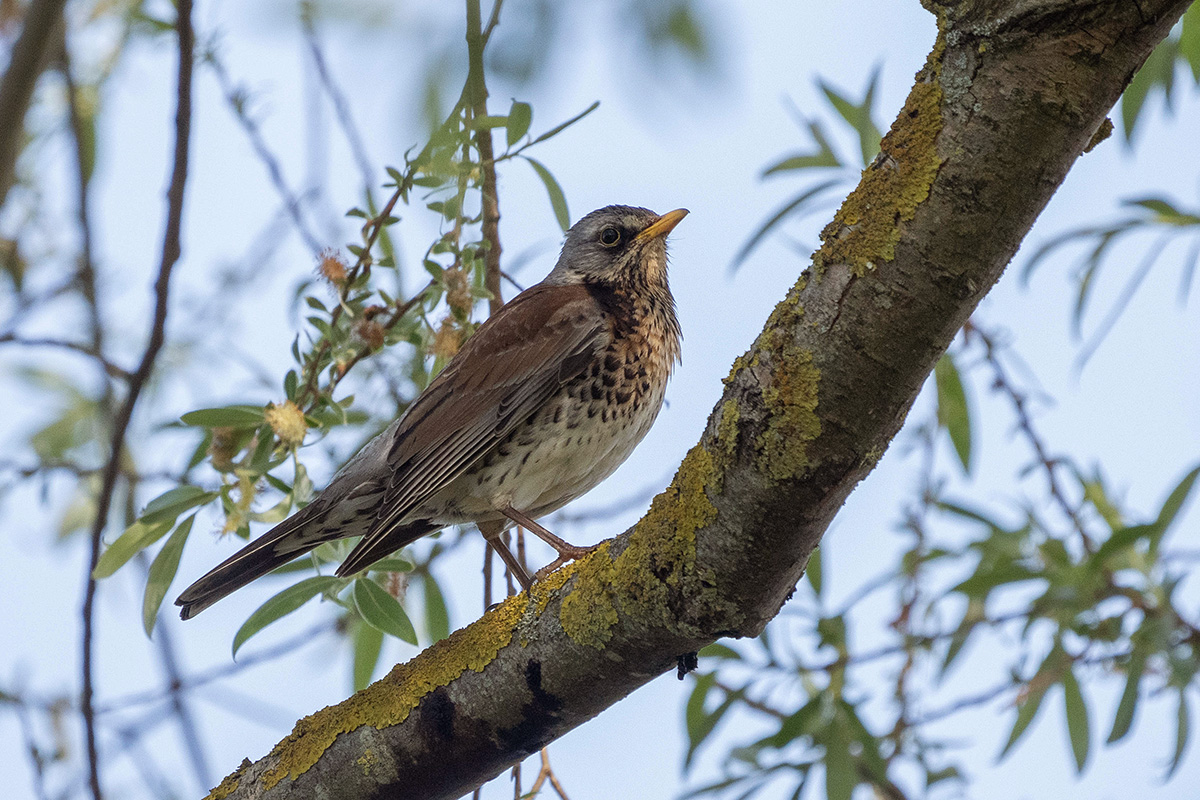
x,y
88,350
237,103
340,105
170,255
1025,422
30,54
191,682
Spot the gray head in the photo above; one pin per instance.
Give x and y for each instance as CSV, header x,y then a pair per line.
x,y
617,246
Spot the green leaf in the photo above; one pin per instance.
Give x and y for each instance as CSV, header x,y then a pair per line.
x,y
283,604
814,570
162,573
953,412
136,537
1174,502
1121,539
1189,40
701,723
1035,690
1182,727
368,644
437,618
1077,719
839,765
858,116
1158,70
520,115
1123,720
240,416
795,206
170,504
718,650
382,611
804,722
823,157
557,129
557,199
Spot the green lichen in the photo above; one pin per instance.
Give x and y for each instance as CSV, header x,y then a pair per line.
x,y
792,421
388,702
727,428
866,229
658,563
230,784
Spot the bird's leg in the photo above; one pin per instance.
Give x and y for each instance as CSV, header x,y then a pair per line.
x,y
491,534
566,551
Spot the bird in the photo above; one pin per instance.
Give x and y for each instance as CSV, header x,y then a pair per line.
x,y
549,396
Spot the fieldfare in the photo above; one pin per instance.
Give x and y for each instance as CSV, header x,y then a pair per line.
x,y
549,396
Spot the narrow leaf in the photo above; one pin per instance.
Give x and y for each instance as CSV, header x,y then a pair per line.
x,y
1173,504
283,604
382,611
1123,720
162,573
814,570
519,118
839,766
1189,40
953,412
368,644
1077,719
1182,726
136,537
229,417
437,618
557,199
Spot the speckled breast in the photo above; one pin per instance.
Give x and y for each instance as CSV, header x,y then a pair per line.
x,y
580,436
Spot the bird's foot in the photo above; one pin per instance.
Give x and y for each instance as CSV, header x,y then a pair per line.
x,y
568,552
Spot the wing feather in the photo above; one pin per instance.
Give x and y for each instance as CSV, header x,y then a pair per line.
x,y
517,360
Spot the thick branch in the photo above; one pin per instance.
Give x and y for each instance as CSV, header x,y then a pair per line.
x,y
1010,96
39,42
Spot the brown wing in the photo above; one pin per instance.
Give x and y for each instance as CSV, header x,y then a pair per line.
x,y
512,365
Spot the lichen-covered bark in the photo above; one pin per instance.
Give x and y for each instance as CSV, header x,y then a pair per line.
x,y
1012,93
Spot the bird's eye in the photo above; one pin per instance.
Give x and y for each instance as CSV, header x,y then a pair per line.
x,y
610,236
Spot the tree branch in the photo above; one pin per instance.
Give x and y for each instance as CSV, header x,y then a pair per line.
x,y
805,415
39,42
170,254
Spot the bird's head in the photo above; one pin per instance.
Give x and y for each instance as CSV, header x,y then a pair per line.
x,y
617,246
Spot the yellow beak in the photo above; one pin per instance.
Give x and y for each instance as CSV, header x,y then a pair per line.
x,y
663,225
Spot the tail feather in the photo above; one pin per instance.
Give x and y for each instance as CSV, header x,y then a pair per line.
x,y
370,550
286,541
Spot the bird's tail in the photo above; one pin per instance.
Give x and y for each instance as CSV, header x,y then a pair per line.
x,y
288,540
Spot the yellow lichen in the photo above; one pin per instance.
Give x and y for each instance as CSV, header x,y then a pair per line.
x,y
727,428
230,784
792,421
659,559
388,702
366,761
865,230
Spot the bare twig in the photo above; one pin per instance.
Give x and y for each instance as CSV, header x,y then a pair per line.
x,y
31,53
237,103
1025,424
340,105
191,682
113,370
170,255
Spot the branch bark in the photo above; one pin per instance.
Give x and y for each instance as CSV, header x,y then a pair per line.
x,y
40,41
1010,96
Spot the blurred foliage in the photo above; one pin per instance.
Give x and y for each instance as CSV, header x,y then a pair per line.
x,y
1056,593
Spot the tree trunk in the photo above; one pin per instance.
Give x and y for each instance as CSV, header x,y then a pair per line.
x,y
1012,93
